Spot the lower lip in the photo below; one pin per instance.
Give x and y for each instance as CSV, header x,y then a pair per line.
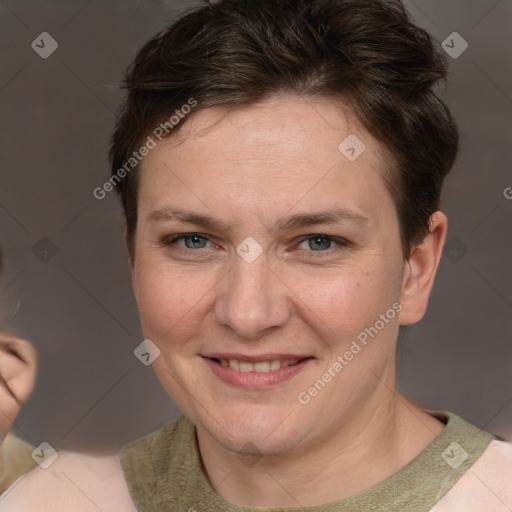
x,y
255,380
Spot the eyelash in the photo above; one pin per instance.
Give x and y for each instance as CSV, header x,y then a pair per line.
x,y
171,242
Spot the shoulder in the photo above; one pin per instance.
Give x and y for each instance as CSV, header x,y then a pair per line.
x,y
77,482
15,460
158,444
487,485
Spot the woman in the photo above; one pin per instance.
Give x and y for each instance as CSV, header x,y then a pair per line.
x,y
280,166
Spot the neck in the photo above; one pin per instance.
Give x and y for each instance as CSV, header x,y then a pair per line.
x,y
373,444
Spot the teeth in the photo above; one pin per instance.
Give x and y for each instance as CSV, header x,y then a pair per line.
x,y
263,367
260,367
246,367
275,365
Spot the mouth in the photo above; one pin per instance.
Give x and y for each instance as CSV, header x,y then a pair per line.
x,y
259,366
256,372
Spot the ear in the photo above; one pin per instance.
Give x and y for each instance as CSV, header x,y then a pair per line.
x,y
420,270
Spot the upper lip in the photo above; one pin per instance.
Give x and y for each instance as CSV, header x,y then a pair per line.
x,y
256,358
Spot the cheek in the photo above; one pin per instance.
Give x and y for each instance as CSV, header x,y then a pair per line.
x,y
169,299
345,300
342,292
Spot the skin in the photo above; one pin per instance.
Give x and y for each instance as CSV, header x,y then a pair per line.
x,y
249,169
18,361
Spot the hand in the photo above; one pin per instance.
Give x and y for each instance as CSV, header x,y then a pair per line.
x,y
18,362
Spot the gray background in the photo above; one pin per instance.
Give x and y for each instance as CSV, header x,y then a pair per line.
x,y
66,264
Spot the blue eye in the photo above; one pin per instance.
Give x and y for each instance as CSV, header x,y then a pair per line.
x,y
318,243
322,243
196,241
311,245
191,241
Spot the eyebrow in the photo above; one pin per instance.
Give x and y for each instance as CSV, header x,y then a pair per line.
x,y
299,220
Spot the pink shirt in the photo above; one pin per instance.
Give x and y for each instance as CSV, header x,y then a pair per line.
x,y
486,486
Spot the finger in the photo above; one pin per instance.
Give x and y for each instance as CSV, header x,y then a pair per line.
x,y
11,366
21,386
9,409
22,349
18,361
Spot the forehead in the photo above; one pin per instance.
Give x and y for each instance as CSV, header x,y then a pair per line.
x,y
284,151
281,127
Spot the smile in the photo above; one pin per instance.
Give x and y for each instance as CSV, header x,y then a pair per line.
x,y
256,373
261,366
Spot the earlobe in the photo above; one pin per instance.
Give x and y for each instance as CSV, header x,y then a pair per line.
x,y
420,270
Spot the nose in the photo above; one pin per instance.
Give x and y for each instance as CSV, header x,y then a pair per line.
x,y
253,299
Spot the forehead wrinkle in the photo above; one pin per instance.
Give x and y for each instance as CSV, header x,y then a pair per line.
x,y
288,223
170,213
325,217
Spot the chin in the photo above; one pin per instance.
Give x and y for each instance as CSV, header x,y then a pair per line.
x,y
252,430
241,421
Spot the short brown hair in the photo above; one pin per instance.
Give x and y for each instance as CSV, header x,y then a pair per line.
x,y
367,53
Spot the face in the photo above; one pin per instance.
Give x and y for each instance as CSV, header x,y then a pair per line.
x,y
261,254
